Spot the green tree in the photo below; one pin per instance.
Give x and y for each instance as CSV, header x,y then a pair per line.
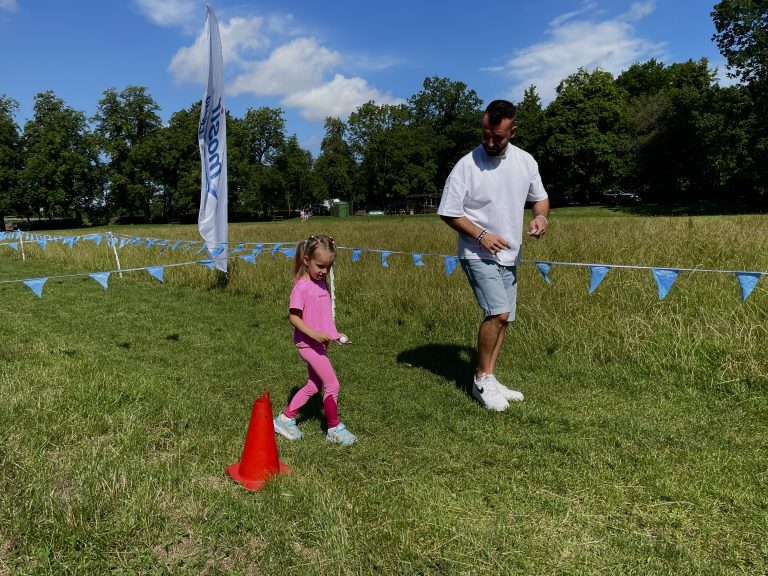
x,y
253,144
336,165
370,129
125,122
175,165
742,37
530,123
586,135
453,113
301,185
60,175
10,155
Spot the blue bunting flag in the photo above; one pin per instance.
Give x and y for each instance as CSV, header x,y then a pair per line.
x,y
665,277
101,278
747,283
597,273
356,254
417,260
544,268
36,285
156,272
450,264
384,256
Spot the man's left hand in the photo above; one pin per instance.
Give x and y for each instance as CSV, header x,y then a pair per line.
x,y
538,226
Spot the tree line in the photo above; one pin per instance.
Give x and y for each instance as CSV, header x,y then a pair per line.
x,y
668,132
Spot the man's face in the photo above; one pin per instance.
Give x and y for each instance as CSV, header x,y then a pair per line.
x,y
496,138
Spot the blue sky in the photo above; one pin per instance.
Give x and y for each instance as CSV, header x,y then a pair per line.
x,y
318,58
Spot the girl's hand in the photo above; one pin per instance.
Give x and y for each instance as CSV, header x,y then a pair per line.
x,y
342,339
322,337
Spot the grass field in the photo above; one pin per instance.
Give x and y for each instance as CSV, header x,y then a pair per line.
x,y
641,447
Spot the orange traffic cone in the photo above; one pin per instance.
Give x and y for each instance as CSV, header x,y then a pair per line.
x,y
259,461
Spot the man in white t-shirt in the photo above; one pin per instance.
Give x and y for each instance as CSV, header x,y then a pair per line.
x,y
484,201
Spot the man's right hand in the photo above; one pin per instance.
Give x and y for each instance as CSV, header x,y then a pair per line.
x,y
493,243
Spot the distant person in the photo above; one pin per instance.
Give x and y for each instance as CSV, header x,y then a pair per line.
x,y
484,200
302,216
311,316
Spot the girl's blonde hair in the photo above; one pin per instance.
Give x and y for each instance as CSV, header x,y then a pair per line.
x,y
307,248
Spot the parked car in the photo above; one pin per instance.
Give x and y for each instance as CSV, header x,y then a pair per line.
x,y
619,197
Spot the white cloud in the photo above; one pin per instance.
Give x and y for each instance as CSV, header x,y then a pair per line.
x,y
8,5
337,98
297,71
610,45
294,67
171,12
240,38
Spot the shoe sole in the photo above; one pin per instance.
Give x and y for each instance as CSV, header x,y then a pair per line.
x,y
488,407
285,434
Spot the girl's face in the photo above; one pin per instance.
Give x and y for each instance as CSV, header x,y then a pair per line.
x,y
319,264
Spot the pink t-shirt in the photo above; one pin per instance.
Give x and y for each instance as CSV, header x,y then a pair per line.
x,y
314,301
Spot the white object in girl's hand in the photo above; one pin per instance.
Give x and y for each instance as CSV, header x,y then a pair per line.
x,y
343,339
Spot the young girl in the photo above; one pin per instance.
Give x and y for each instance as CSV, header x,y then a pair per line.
x,y
312,319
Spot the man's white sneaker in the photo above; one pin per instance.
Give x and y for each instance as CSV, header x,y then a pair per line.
x,y
507,393
484,390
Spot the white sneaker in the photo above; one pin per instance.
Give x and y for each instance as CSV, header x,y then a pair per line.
x,y
484,390
507,393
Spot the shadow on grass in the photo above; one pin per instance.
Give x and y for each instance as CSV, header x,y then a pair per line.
x,y
449,361
312,410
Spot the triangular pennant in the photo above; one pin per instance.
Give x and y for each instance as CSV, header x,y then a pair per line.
x,y
43,242
70,241
417,260
356,254
544,268
747,283
249,258
111,241
95,237
123,242
665,277
14,245
176,245
202,248
257,249
275,248
36,285
289,252
156,272
450,264
208,263
240,247
384,256
101,278
218,251
597,275
150,243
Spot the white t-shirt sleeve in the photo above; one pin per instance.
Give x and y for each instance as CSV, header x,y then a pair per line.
x,y
452,200
536,190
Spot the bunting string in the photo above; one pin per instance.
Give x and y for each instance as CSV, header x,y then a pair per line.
x,y
665,277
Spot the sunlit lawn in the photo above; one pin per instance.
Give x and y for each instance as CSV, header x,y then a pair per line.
x,y
641,447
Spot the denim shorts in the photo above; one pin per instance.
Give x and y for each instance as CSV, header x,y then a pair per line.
x,y
495,286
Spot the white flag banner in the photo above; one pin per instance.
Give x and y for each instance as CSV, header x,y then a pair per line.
x,y
212,138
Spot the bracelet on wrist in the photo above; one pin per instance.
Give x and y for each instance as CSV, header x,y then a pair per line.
x,y
542,216
480,236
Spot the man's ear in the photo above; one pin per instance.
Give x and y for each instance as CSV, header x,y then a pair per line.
x,y
512,131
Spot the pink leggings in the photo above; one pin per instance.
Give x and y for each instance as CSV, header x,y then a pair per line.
x,y
320,375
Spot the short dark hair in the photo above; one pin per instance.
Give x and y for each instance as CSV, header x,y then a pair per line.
x,y
499,110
